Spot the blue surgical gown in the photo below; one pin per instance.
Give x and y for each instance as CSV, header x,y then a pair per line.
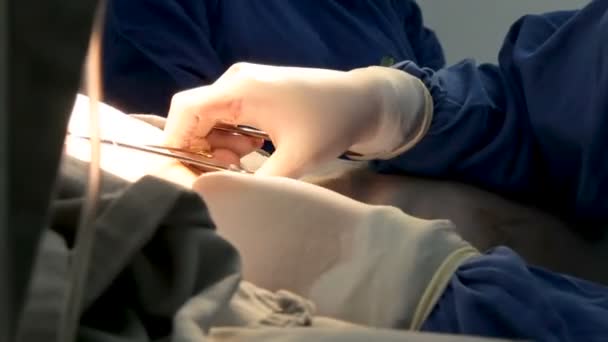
x,y
155,48
535,126
498,295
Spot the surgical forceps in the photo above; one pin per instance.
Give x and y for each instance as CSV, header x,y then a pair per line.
x,y
184,155
242,130
256,133
194,158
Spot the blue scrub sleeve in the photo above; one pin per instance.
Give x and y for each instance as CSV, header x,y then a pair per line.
x,y
533,126
155,48
498,295
427,49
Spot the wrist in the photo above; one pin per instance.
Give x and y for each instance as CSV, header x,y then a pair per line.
x,y
403,115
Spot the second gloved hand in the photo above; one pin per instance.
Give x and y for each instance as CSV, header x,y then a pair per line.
x,y
311,115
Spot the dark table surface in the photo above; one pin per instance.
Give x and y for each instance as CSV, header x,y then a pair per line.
x,y
484,219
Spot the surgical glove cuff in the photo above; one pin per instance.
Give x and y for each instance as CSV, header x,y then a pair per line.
x,y
405,115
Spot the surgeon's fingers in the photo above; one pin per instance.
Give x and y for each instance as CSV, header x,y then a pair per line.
x,y
221,157
286,162
194,112
225,157
239,144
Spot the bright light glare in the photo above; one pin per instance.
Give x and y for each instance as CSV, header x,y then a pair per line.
x,y
114,124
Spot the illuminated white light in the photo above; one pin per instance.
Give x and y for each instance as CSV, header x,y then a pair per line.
x,y
127,164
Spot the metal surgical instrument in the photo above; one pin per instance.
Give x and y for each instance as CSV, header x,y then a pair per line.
x,y
184,155
256,133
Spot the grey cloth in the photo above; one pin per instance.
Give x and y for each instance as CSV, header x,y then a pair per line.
x,y
251,307
254,314
160,272
155,248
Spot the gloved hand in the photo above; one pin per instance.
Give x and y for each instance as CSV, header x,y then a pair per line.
x,y
324,246
311,115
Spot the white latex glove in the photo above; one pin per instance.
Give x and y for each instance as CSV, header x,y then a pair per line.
x,y
365,264
311,115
